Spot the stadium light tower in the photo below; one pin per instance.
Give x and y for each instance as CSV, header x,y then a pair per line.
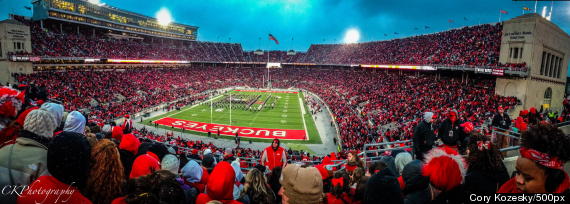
x,y
163,17
351,36
96,2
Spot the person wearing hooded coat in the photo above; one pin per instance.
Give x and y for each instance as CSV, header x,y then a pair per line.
x,y
148,162
75,122
195,175
383,186
416,190
26,160
68,160
274,155
220,185
424,136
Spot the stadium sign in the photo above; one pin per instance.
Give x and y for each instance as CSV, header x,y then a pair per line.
x,y
263,133
483,70
414,67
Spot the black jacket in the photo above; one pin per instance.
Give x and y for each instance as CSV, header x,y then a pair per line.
x,y
456,137
423,138
383,186
480,183
502,121
416,190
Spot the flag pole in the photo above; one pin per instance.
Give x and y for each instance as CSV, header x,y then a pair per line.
x,y
500,15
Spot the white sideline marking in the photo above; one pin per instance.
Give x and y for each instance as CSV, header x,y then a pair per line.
x,y
303,114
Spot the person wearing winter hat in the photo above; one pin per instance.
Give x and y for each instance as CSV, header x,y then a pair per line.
x,y
220,185
117,133
401,160
446,170
11,101
130,143
274,155
424,136
195,175
416,189
486,171
383,186
540,168
170,163
68,159
449,131
26,159
147,163
75,122
106,176
56,111
301,185
209,162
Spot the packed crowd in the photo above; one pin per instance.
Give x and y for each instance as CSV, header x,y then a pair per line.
x,y
58,156
473,46
365,104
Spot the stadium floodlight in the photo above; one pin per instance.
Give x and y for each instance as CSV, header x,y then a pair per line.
x,y
351,36
163,17
96,2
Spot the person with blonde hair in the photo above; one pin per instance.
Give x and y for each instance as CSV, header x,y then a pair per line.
x,y
256,189
106,176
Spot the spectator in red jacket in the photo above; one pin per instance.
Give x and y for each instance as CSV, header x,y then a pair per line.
x,y
274,156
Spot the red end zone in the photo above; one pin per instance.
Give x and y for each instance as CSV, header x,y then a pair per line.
x,y
292,92
263,133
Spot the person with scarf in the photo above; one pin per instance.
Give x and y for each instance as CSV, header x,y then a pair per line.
x,y
540,168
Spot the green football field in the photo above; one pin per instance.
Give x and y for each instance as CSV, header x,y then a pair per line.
x,y
249,109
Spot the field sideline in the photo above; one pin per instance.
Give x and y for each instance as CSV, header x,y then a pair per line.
x,y
256,115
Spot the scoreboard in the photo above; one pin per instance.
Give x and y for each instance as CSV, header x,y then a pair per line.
x,y
83,12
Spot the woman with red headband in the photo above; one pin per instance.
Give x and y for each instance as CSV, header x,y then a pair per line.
x,y
540,168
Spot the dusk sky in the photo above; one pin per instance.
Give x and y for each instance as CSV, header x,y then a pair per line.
x,y
298,23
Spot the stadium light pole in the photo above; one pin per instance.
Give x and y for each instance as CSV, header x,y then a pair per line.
x,y
230,108
211,108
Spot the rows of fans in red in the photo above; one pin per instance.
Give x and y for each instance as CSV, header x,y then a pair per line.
x,y
476,45
363,102
61,152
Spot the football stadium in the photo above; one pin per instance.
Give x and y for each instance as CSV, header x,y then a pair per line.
x,y
296,101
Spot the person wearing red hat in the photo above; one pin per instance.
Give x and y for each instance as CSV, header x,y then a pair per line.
x,y
540,168
450,133
503,121
220,185
274,156
446,170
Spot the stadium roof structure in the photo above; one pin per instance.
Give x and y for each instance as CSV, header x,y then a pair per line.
x,y
107,17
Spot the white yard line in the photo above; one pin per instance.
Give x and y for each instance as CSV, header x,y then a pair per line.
x,y
186,109
303,114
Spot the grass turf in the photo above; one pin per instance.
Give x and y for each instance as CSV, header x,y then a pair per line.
x,y
285,115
